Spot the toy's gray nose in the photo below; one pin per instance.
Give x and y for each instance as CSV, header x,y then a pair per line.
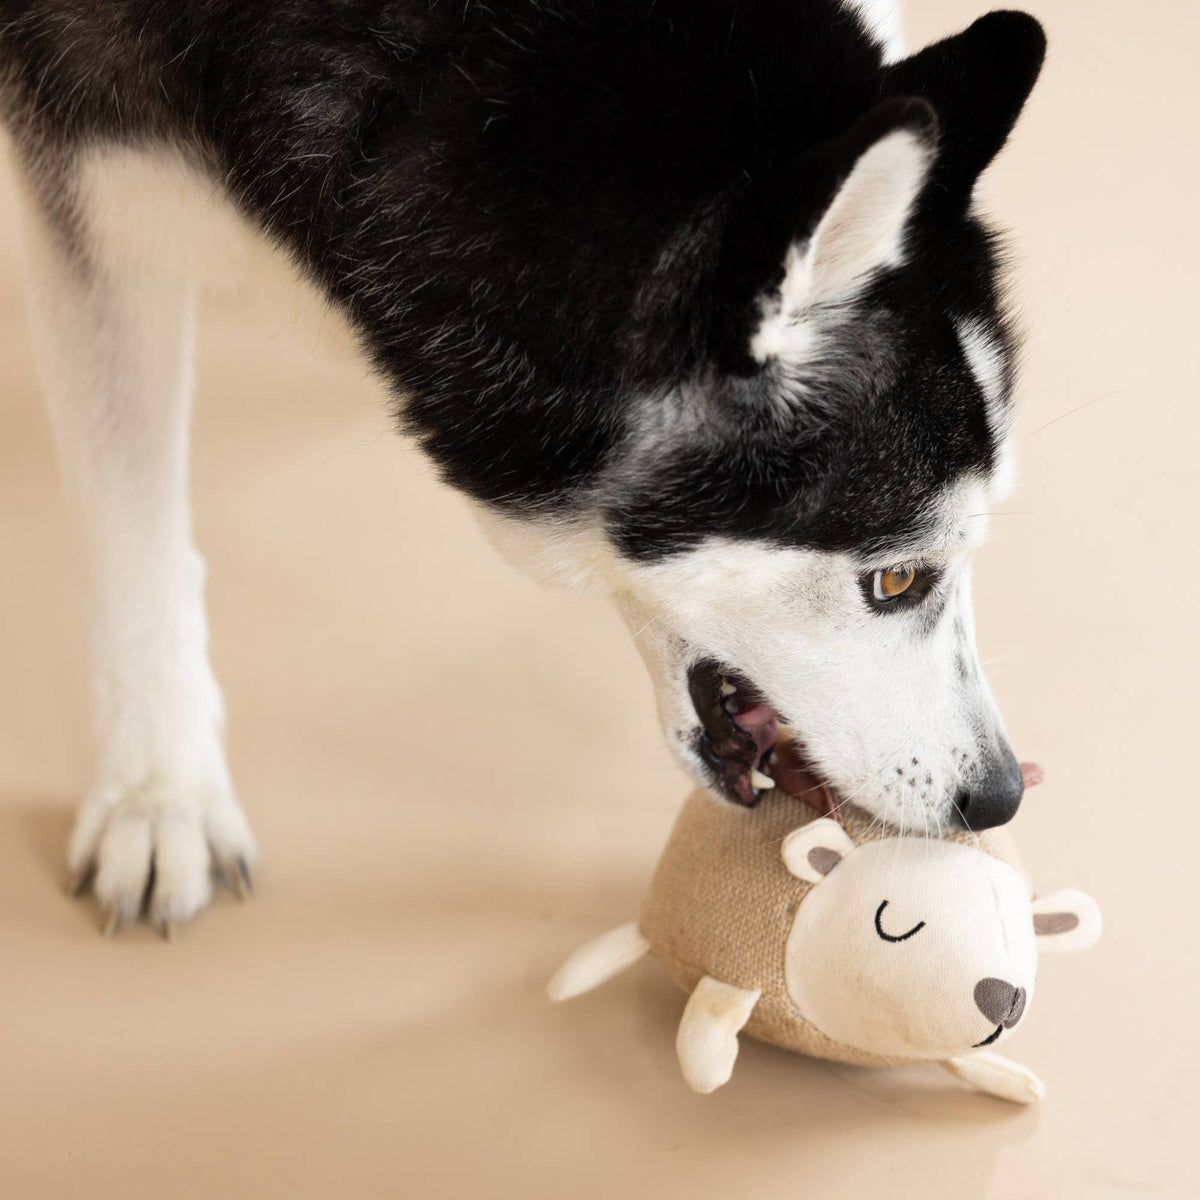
x,y
1000,1002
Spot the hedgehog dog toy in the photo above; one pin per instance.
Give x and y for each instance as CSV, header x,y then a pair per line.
x,y
837,942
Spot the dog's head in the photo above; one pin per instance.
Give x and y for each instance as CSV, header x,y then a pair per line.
x,y
789,527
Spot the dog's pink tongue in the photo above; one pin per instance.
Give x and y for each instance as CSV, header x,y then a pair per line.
x,y
756,714
1032,774
761,724
757,719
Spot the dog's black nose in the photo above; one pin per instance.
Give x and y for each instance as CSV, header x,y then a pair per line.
x,y
1001,1002
992,799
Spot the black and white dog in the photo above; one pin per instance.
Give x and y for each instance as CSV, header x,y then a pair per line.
x,y
688,295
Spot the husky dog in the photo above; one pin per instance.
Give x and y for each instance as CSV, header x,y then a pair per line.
x,y
687,295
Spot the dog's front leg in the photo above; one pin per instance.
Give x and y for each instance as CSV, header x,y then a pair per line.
x,y
114,353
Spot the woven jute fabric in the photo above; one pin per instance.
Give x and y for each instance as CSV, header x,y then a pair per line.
x,y
722,903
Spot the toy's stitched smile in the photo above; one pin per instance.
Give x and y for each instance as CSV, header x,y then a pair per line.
x,y
987,1041
745,743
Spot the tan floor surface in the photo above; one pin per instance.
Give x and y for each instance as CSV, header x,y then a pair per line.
x,y
456,778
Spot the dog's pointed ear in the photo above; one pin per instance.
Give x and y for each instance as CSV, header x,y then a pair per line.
x,y
977,82
1066,920
813,850
873,178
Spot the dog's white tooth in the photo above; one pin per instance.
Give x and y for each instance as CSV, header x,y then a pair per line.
x,y
761,781
727,688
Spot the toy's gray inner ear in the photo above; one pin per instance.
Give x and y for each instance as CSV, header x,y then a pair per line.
x,y
1045,924
822,859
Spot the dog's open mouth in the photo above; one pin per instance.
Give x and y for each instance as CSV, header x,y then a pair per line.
x,y
744,744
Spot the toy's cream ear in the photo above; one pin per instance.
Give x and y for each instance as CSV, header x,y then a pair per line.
x,y
1066,920
812,851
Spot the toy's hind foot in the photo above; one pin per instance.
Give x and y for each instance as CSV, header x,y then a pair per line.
x,y
598,962
998,1076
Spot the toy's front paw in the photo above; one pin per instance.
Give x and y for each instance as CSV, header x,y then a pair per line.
x,y
998,1076
707,1042
158,846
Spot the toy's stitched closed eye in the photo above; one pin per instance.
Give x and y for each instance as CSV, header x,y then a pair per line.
x,y
887,937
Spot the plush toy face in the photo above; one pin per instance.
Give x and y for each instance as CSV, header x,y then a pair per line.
x,y
917,947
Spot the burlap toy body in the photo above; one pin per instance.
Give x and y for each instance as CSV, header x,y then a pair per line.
x,y
840,943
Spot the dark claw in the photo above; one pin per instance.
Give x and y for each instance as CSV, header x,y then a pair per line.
x,y
243,884
77,883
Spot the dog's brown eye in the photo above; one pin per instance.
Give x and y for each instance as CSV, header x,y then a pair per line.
x,y
900,588
893,582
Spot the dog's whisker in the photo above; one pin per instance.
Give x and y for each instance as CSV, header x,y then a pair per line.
x,y
962,816
1069,413
998,658
846,799
638,633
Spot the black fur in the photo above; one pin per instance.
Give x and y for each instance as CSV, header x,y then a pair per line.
x,y
545,217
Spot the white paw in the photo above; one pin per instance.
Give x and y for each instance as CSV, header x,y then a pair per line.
x,y
158,847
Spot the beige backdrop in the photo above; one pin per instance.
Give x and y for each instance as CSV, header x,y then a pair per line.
x,y
457,778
